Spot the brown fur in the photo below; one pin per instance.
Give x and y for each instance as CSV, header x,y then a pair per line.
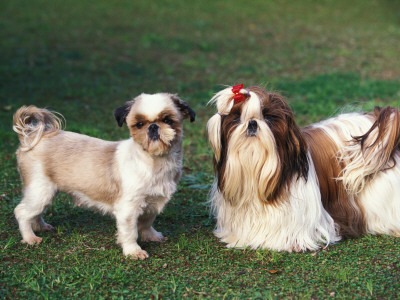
x,y
347,212
24,168
386,124
29,124
349,154
291,147
335,199
139,134
83,164
290,144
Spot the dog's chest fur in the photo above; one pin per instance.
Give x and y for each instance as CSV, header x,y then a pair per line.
x,y
151,178
164,177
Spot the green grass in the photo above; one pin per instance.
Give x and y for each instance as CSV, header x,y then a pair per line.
x,y
86,58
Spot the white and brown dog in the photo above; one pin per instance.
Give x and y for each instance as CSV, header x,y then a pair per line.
x,y
131,180
289,189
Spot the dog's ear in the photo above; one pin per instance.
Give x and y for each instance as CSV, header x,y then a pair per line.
x,y
214,135
290,142
120,113
184,108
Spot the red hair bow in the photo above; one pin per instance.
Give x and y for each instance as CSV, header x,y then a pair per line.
x,y
239,97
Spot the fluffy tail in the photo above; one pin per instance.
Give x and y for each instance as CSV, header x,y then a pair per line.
x,y
32,123
373,151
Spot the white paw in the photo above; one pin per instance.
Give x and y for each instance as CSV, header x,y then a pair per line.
x,y
138,254
32,240
150,235
134,251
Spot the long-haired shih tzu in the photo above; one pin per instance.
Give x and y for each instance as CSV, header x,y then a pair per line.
x,y
131,180
289,189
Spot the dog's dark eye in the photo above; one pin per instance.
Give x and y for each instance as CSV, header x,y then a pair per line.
x,y
267,116
167,120
139,125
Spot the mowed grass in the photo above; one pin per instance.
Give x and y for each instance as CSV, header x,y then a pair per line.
x,y
86,58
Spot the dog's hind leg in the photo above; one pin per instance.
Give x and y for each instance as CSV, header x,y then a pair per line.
x,y
40,225
147,232
37,196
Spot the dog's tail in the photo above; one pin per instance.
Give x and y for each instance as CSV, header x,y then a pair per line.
x,y
372,152
32,123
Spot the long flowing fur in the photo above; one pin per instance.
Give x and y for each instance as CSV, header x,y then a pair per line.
x,y
372,151
32,123
292,190
289,226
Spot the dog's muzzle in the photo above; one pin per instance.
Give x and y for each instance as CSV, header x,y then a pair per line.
x,y
153,132
252,128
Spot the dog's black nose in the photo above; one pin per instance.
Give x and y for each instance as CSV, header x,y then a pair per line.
x,y
252,128
153,132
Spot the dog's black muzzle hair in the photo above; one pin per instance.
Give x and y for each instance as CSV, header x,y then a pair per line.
x,y
252,128
153,132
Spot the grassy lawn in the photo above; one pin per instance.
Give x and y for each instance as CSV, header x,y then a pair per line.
x,y
85,58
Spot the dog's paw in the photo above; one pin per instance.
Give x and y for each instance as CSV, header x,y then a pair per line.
x,y
32,240
47,227
151,235
134,251
41,226
138,254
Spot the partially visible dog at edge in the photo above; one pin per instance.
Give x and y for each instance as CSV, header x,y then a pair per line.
x,y
289,189
131,180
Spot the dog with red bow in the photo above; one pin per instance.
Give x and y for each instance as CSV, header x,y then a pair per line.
x,y
289,189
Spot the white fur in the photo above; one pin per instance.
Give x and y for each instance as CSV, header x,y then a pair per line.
x,y
37,197
297,220
377,186
151,105
297,224
248,171
358,164
146,182
145,191
380,200
214,136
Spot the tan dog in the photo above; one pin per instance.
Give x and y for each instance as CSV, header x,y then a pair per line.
x,y
131,180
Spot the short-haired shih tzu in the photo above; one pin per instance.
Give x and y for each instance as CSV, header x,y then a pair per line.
x,y
289,189
131,180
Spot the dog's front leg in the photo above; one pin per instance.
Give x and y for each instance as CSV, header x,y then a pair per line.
x,y
127,224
